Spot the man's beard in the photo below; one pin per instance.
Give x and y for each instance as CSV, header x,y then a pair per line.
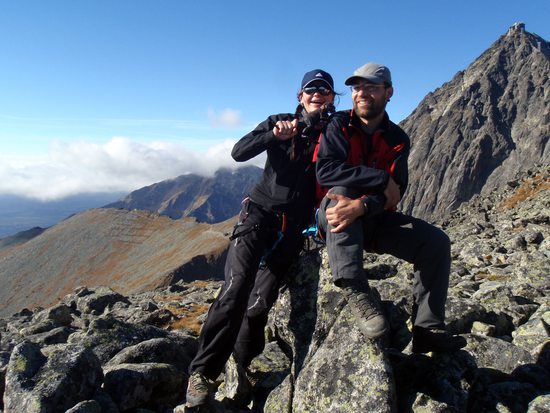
x,y
372,112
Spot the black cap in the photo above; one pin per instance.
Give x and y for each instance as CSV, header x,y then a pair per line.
x,y
317,74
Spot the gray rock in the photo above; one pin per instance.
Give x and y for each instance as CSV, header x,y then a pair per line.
x,y
426,404
490,352
333,365
60,314
534,333
87,406
177,350
476,132
541,404
105,401
151,385
50,379
107,336
346,374
95,301
56,336
504,396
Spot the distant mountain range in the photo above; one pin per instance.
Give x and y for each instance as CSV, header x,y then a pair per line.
x,y
20,214
209,200
213,199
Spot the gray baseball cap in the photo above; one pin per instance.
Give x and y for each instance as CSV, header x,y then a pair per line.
x,y
373,72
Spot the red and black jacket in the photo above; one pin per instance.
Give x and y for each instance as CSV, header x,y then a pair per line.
x,y
348,157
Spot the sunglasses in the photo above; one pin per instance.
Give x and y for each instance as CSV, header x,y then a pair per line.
x,y
311,90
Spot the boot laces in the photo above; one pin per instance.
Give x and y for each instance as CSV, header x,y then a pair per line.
x,y
199,383
362,301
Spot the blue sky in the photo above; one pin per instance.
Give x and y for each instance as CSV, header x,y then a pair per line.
x,y
110,95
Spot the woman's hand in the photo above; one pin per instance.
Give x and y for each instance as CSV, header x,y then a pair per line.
x,y
285,129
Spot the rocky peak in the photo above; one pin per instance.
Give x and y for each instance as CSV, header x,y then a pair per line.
x,y
479,130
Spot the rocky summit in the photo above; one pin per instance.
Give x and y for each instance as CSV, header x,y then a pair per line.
x,y
100,351
480,129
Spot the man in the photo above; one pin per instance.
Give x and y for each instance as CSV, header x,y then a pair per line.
x,y
362,158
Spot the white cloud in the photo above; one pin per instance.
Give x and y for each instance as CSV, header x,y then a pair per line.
x,y
118,165
228,117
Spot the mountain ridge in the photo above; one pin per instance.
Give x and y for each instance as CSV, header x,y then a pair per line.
x,y
128,250
208,199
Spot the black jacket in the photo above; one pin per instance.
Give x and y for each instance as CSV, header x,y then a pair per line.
x,y
286,185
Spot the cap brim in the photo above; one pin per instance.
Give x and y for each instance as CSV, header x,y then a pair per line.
x,y
354,79
319,80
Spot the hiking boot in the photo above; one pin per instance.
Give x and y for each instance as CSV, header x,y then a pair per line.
x,y
370,320
237,383
436,340
199,390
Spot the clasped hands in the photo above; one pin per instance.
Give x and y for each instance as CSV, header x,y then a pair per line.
x,y
347,210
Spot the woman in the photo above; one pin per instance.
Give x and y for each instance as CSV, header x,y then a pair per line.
x,y
267,239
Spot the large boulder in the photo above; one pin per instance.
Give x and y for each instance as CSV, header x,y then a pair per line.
x,y
50,379
157,386
334,367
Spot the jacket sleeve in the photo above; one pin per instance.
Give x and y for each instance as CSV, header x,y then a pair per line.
x,y
255,142
375,203
334,170
401,171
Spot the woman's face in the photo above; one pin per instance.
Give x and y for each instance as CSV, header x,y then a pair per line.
x,y
315,95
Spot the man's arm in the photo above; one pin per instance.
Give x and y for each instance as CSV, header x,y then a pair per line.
x,y
392,194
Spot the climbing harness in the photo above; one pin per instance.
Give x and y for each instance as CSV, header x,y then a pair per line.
x,y
239,232
243,215
280,234
314,233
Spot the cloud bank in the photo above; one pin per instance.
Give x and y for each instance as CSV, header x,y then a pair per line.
x,y
116,166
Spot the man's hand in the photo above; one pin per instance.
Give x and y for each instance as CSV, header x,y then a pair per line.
x,y
285,129
392,194
344,212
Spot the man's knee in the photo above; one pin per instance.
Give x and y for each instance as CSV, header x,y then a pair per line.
x,y
328,203
440,241
345,191
259,310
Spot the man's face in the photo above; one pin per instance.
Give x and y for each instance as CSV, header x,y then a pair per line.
x,y
369,99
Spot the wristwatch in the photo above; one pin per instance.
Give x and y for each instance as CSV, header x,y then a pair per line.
x,y
365,204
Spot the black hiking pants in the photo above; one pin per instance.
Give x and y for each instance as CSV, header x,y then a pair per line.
x,y
237,318
427,247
